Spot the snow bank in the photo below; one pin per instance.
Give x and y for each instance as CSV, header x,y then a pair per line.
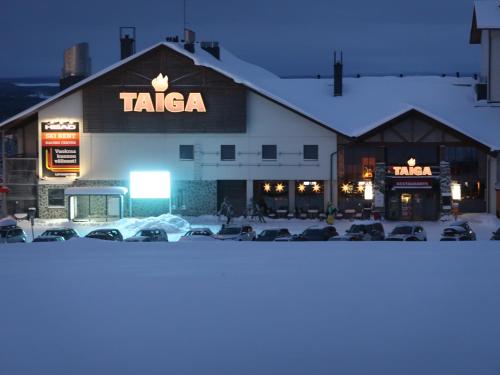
x,y
170,223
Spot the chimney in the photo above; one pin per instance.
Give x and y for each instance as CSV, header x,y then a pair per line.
x,y
77,65
127,41
189,39
212,48
337,74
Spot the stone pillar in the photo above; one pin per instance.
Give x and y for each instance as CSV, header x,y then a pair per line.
x,y
379,187
249,191
291,195
445,187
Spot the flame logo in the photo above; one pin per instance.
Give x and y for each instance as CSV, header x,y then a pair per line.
x,y
160,83
411,162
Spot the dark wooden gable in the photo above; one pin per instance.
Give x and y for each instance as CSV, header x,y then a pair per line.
x,y
416,127
225,100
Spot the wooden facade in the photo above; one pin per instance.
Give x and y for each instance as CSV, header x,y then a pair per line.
x,y
224,99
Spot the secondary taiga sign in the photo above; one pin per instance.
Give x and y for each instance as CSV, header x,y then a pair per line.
x,y
60,149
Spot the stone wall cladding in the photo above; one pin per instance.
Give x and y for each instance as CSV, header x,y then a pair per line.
x,y
445,186
192,198
379,186
43,209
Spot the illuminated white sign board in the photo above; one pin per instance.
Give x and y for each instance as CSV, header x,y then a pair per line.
x,y
412,169
150,185
171,102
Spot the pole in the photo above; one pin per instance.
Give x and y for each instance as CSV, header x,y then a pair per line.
x,y
331,175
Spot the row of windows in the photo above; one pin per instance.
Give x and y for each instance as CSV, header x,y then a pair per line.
x,y
228,152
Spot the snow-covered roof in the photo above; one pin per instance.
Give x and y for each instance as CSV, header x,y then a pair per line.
x,y
367,102
97,190
487,14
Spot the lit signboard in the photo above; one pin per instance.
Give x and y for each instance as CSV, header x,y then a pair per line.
x,y
150,185
171,102
60,149
412,169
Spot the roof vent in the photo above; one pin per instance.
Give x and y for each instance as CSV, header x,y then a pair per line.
x,y
127,41
212,48
189,39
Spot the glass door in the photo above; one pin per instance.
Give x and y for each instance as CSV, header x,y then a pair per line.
x,y
406,206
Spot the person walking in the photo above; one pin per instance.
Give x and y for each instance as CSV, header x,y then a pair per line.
x,y
229,214
223,207
260,213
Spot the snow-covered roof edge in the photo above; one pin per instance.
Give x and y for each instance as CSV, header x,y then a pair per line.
x,y
409,108
196,60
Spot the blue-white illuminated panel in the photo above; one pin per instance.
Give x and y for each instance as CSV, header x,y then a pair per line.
x,y
150,184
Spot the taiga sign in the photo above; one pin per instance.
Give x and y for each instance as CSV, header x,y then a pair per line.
x,y
171,102
412,169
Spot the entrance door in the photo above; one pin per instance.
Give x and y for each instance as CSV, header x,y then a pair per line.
x,y
406,212
235,191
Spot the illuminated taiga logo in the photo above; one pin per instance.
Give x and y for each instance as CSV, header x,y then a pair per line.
x,y
171,102
412,169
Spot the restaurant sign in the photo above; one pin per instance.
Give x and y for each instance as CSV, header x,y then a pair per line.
x,y
60,149
412,169
171,102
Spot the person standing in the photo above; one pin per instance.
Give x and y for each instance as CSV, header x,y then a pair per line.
x,y
330,213
260,213
223,207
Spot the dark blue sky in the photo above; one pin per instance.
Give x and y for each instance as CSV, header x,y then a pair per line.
x,y
288,37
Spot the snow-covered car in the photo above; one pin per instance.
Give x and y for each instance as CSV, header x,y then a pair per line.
x,y
364,231
106,234
455,234
12,234
496,235
280,234
316,233
458,231
407,232
66,233
149,235
236,233
47,238
198,234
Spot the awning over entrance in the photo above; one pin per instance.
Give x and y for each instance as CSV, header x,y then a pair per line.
x,y
96,190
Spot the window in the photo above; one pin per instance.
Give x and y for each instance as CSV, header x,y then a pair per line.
x,y
269,152
227,152
56,197
186,152
310,152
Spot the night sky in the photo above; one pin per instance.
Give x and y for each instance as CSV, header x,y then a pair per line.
x,y
289,37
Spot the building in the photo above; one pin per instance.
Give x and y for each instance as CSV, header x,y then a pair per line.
x,y
412,148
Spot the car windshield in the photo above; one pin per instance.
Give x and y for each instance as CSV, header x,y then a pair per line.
x,y
230,231
313,232
54,233
147,233
402,230
269,233
357,229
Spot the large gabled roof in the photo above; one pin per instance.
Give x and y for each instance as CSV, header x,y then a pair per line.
x,y
229,65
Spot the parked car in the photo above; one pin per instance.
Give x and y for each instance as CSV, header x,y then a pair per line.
x,y
106,234
281,234
317,234
407,232
66,233
149,235
236,233
496,235
12,234
458,231
47,238
198,234
364,231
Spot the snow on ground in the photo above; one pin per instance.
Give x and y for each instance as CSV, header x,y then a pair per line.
x,y
482,224
99,307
